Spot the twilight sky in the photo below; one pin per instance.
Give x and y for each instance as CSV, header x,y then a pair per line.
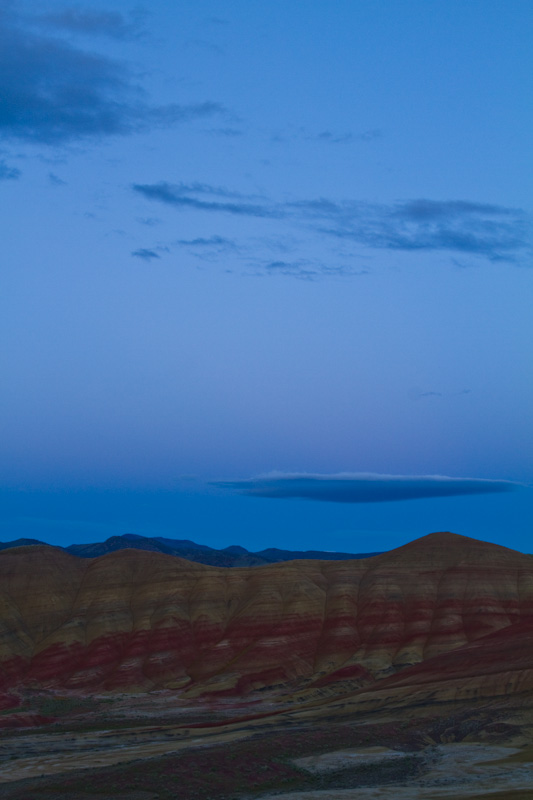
x,y
266,271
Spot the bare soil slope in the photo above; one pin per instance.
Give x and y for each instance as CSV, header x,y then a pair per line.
x,y
137,620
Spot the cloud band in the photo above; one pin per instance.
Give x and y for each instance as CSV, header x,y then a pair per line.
x,y
363,488
494,232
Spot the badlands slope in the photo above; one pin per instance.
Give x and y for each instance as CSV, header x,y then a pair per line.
x,y
134,620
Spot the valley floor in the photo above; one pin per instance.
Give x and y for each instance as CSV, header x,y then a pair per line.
x,y
150,747
447,771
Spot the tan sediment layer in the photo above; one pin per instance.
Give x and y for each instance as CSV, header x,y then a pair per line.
x,y
135,620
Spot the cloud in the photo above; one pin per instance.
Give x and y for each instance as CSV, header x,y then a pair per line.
x,y
299,268
209,190
305,269
145,254
327,136
186,197
494,232
91,22
209,248
52,92
434,209
362,487
228,132
211,241
55,180
346,138
8,173
149,221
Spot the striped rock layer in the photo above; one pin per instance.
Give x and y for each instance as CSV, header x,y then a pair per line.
x,y
134,620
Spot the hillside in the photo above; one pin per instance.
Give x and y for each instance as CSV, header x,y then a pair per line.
x,y
136,619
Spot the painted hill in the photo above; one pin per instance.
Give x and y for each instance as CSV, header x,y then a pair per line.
x,y
19,543
137,619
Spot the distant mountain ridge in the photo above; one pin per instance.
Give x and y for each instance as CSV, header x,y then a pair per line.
x,y
232,556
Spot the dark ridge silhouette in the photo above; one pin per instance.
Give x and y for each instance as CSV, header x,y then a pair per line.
x,y
232,556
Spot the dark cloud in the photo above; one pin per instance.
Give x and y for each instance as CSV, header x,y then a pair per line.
x,y
211,241
427,210
8,173
299,268
186,197
171,190
494,232
92,22
145,254
52,92
363,488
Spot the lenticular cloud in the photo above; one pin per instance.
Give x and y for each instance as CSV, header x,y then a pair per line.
x,y
362,488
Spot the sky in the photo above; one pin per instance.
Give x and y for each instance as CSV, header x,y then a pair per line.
x,y
266,271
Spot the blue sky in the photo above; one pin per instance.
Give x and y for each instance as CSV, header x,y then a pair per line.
x,y
246,238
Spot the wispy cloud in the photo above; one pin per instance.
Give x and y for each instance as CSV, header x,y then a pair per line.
x,y
304,269
362,487
494,232
330,137
299,268
497,233
55,180
194,197
92,22
415,393
211,248
461,393
53,92
149,221
208,241
145,254
327,136
8,173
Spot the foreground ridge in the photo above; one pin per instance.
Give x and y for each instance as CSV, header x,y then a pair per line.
x,y
139,620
